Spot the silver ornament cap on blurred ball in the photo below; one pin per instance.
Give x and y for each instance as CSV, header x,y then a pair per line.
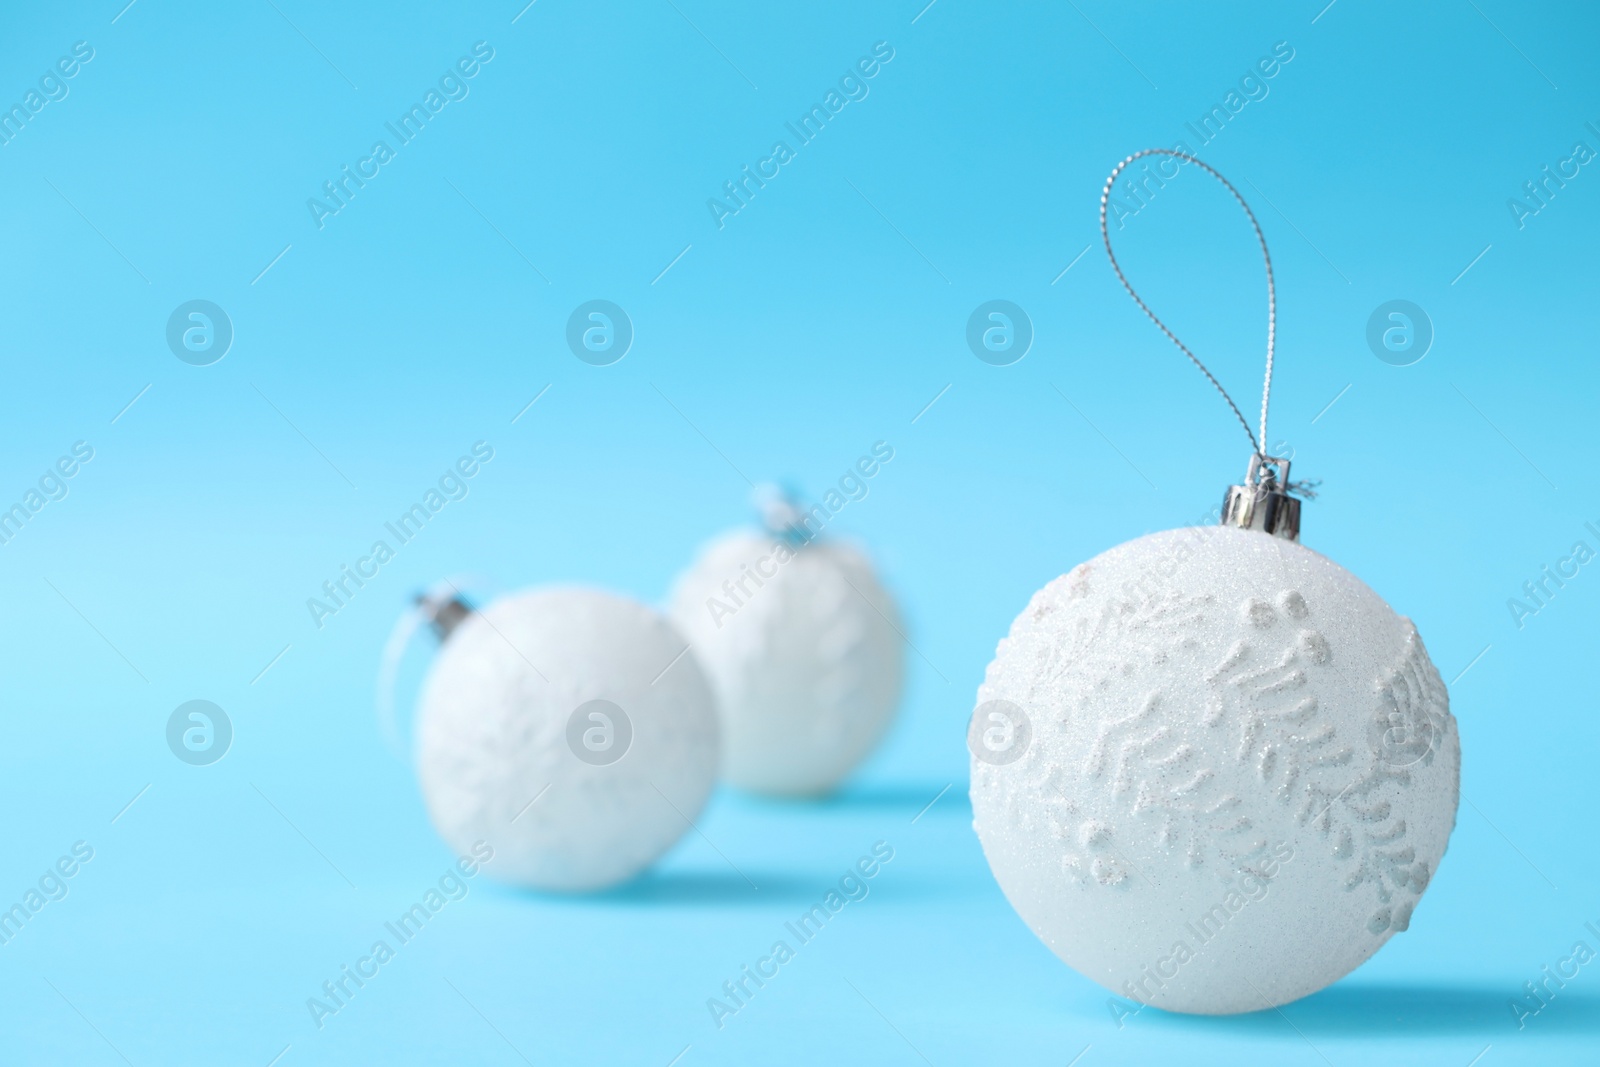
x,y
568,728
802,644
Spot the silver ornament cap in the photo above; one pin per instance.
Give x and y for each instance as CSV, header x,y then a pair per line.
x,y
444,611
1263,502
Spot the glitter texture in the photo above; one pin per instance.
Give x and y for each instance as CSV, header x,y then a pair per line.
x,y
805,657
494,757
1243,770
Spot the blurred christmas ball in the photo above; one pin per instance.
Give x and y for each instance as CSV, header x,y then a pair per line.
x,y
567,728
1212,770
803,646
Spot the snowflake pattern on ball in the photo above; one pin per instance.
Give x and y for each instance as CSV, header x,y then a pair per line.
x,y
1165,766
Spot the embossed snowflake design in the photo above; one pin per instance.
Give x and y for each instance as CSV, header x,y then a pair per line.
x,y
1191,776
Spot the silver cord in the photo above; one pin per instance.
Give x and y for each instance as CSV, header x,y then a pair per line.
x,y
1257,447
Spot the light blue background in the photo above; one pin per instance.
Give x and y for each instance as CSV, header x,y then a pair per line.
x,y
823,317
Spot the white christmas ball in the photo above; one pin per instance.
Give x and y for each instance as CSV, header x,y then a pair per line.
x,y
803,647
564,727
1212,770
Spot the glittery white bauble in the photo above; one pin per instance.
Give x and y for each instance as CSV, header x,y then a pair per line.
x,y
1212,770
803,647
566,728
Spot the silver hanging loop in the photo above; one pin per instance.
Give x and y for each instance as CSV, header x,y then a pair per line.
x,y
1264,502
441,608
